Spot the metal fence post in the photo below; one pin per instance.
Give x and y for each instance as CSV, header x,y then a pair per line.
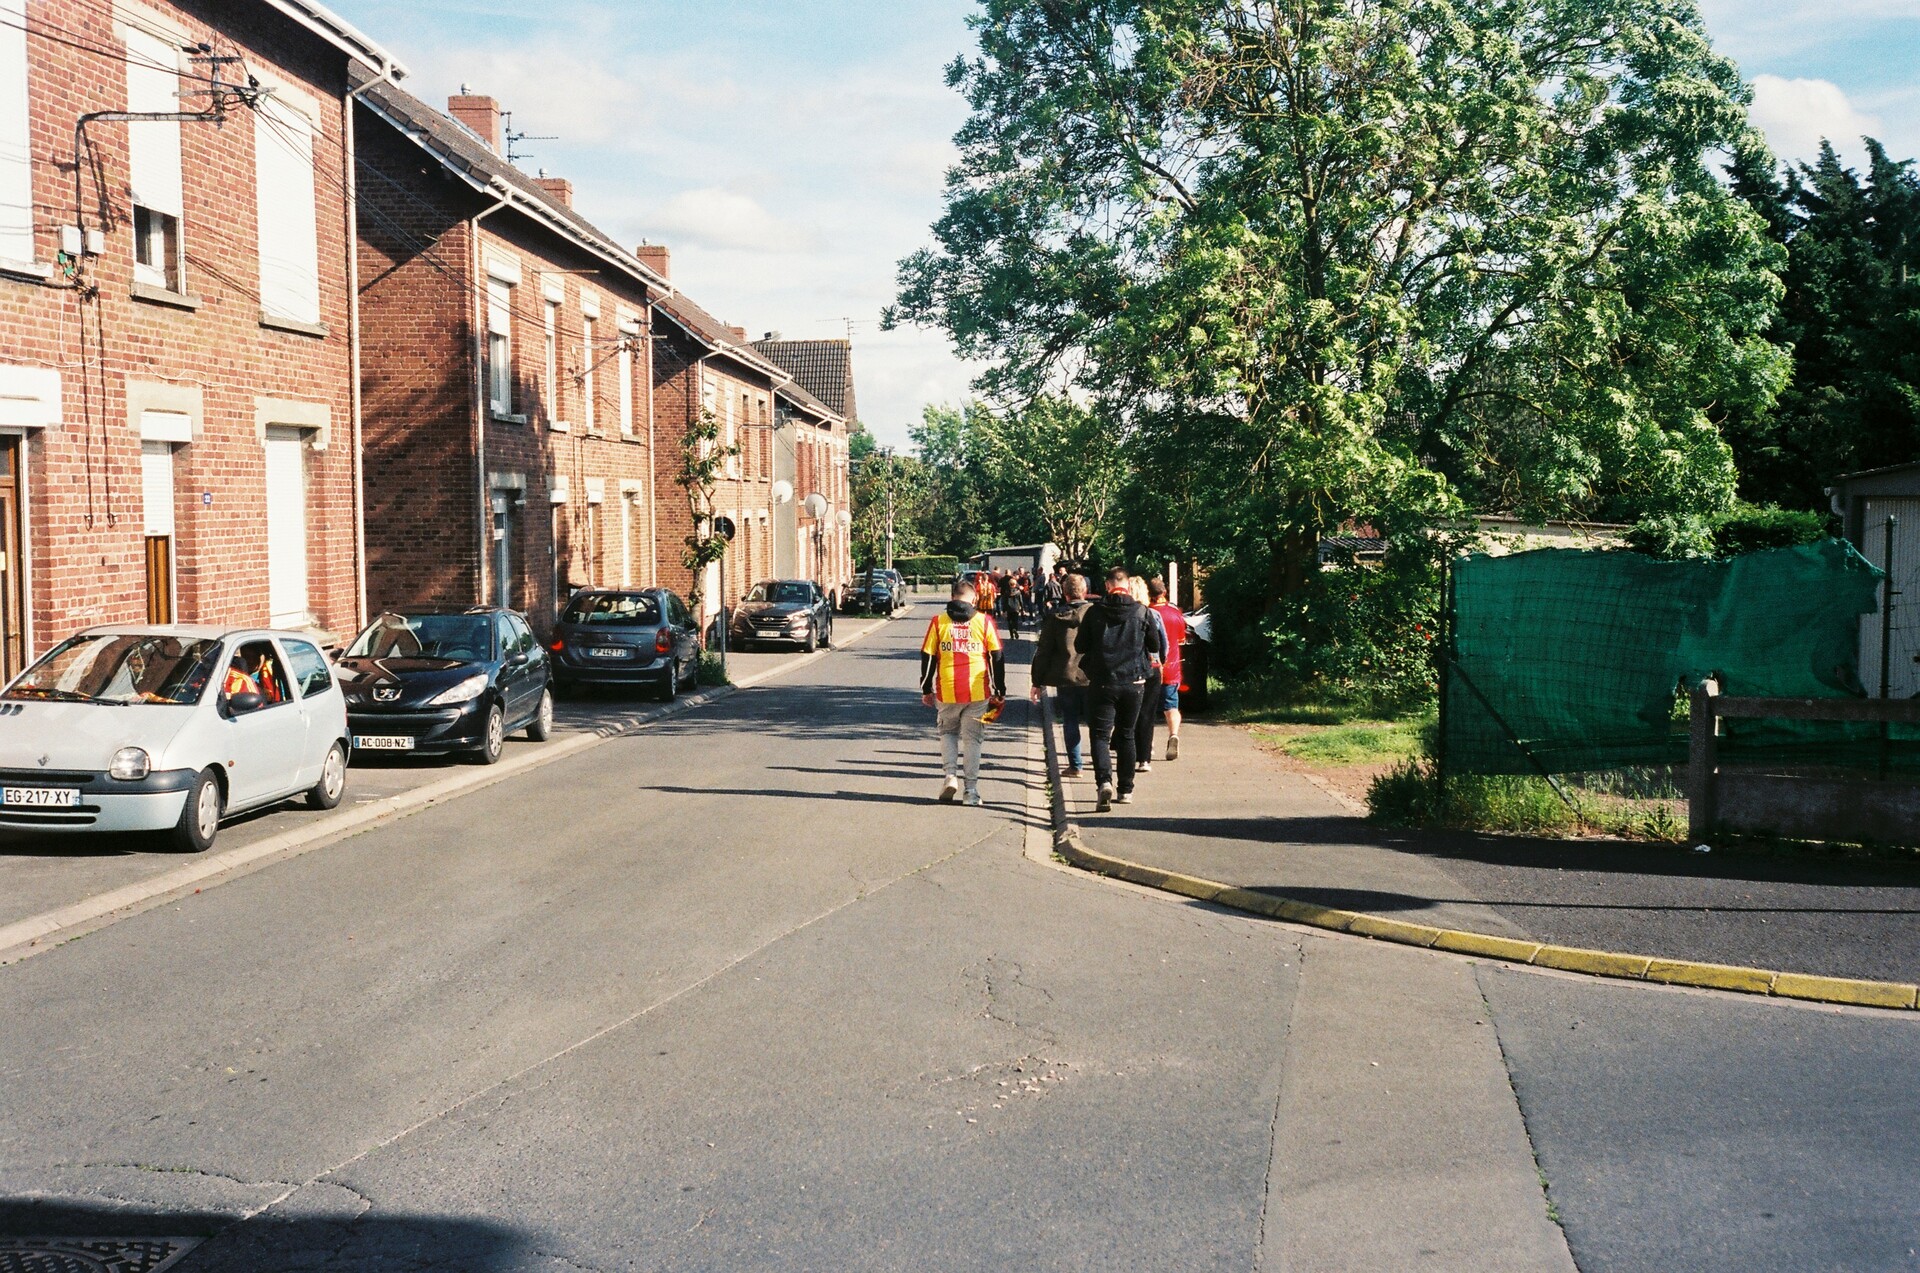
x,y
1703,762
1443,661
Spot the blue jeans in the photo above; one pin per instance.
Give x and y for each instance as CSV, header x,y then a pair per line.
x,y
1073,713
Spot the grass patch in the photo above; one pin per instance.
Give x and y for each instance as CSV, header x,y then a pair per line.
x,y
1359,743
713,669
1410,796
1256,702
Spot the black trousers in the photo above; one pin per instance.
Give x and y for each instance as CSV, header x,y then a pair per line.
x,y
1113,718
1149,714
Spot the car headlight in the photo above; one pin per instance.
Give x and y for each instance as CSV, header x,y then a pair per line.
x,y
798,620
130,764
465,692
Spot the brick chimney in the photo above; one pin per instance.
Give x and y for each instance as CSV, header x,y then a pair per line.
x,y
656,258
480,114
559,189
738,333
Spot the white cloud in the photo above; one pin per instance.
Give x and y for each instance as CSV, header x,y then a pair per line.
x,y
715,218
1796,115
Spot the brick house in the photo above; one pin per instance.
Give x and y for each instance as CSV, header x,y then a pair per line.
x,y
512,449
703,365
177,398
822,369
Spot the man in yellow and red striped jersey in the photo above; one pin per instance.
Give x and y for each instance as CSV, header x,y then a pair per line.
x,y
963,672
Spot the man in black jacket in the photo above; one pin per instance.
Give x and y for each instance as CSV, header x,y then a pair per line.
x,y
1057,663
1116,652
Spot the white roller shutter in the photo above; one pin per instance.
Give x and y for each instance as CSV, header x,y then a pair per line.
x,y
289,225
287,527
156,486
153,85
16,156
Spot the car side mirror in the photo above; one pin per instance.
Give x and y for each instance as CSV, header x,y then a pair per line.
x,y
517,659
244,702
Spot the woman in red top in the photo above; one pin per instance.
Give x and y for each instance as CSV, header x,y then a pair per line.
x,y
1176,625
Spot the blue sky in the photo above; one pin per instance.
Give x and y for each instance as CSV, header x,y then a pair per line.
x,y
791,151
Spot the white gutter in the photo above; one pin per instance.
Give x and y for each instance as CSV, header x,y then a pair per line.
x,y
336,31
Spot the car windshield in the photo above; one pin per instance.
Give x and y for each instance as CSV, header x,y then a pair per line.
x,y
458,638
627,608
121,668
797,594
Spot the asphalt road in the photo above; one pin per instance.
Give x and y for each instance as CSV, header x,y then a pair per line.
x,y
732,992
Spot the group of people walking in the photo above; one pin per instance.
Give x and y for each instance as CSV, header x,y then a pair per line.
x,y
1114,664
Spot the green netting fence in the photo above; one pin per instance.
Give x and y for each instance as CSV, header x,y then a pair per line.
x,y
1574,662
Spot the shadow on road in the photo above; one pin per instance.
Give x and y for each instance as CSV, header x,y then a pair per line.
x,y
224,1244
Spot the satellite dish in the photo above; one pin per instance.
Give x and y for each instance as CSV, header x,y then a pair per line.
x,y
816,506
783,492
846,518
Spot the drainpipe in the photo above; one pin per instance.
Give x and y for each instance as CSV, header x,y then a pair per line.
x,y
481,406
653,468
356,402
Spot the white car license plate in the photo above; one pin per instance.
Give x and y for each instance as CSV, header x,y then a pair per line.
x,y
42,797
383,742
609,652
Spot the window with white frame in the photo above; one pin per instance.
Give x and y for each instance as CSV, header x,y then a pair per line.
x,y
500,347
587,357
289,222
629,334
153,87
16,155
551,383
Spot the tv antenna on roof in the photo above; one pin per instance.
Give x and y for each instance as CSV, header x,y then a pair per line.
x,y
513,139
852,324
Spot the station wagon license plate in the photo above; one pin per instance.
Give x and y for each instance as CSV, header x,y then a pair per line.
x,y
610,652
383,742
41,797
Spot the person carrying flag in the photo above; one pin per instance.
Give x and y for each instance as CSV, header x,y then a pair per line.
x,y
963,672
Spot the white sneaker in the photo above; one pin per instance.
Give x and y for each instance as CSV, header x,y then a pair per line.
x,y
1144,767
1106,800
1173,746
973,800
1125,797
950,790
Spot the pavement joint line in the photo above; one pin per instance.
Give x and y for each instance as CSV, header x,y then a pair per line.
x,y
29,936
1614,965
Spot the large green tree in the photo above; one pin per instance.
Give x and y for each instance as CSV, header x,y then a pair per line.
x,y
1851,318
1342,258
1061,465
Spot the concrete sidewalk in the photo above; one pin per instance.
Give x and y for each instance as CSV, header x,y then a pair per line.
x,y
1228,812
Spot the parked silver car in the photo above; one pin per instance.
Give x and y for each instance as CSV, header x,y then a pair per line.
x,y
169,728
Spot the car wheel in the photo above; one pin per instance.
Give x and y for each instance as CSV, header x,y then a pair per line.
x,y
670,688
200,819
813,638
494,741
326,793
540,728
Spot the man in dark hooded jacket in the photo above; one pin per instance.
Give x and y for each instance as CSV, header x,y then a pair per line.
x,y
1117,651
1056,663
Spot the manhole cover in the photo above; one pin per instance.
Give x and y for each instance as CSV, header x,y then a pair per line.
x,y
92,1255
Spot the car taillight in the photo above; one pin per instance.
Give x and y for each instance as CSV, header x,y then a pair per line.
x,y
558,646
663,641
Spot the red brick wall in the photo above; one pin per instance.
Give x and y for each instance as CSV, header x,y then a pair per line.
x,y
82,478
428,498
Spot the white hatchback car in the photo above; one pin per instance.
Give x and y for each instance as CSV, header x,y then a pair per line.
x,y
170,729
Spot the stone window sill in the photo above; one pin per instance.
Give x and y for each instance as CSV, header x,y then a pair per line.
x,y
161,296
502,417
559,426
26,271
283,324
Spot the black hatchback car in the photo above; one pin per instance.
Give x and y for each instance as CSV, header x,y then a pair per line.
x,y
446,680
626,636
792,611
